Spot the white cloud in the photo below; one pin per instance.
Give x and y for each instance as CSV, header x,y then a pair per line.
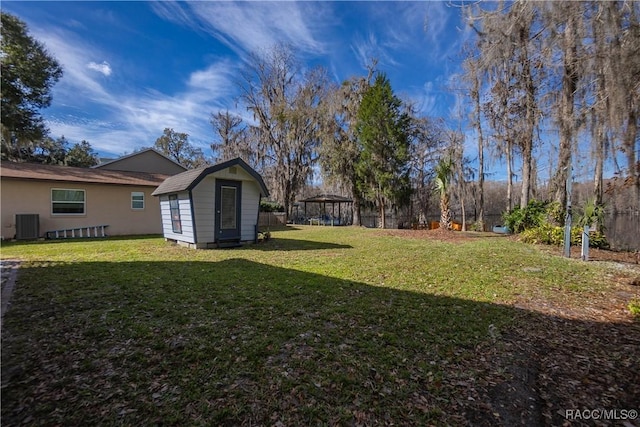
x,y
78,82
252,26
130,117
369,48
103,68
436,18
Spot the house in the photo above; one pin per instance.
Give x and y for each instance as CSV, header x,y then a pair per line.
x,y
37,199
148,160
212,206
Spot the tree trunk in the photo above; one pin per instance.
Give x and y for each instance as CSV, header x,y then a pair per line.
x,y
509,177
526,145
599,152
445,213
464,214
567,119
356,210
478,120
383,217
526,175
630,147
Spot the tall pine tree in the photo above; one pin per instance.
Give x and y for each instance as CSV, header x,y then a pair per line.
x,y
382,170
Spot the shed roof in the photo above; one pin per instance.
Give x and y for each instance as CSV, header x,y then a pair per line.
x,y
40,172
327,198
186,181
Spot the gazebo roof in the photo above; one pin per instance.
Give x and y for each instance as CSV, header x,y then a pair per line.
x,y
327,198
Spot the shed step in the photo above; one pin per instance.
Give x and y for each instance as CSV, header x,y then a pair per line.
x,y
230,243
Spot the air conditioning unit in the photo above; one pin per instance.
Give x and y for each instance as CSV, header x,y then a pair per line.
x,y
27,226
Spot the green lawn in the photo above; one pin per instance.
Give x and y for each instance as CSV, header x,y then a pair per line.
x,y
318,326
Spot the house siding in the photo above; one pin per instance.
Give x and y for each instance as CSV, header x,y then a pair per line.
x,y
105,204
250,206
186,219
204,209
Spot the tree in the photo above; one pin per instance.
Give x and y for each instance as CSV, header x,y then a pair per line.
x,y
48,151
27,73
382,170
81,155
286,104
461,171
623,69
427,138
176,146
473,75
232,138
508,60
444,174
564,20
340,149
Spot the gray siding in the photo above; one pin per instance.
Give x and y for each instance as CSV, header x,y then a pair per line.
x,y
184,203
250,206
204,208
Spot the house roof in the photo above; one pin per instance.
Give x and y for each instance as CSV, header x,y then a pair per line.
x,y
186,181
40,172
137,153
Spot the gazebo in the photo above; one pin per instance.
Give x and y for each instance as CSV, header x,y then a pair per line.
x,y
323,200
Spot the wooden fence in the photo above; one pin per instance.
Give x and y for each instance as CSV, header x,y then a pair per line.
x,y
267,219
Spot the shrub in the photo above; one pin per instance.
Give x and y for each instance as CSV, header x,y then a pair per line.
x,y
598,240
539,223
555,213
267,206
554,235
634,307
518,219
545,233
475,226
592,214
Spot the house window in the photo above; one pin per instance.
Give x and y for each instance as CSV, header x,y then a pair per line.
x,y
137,200
174,207
67,202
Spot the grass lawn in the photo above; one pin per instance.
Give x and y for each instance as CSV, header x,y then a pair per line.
x,y
318,326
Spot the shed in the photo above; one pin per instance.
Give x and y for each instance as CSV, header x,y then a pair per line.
x,y
212,206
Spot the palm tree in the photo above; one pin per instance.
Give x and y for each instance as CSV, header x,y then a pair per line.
x,y
444,172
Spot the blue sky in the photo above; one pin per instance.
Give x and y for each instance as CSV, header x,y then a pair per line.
x,y
132,69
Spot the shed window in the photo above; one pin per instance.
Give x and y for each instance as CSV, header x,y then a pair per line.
x,y
67,202
174,207
137,200
228,215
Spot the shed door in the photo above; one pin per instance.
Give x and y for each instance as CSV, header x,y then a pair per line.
x,y
227,219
